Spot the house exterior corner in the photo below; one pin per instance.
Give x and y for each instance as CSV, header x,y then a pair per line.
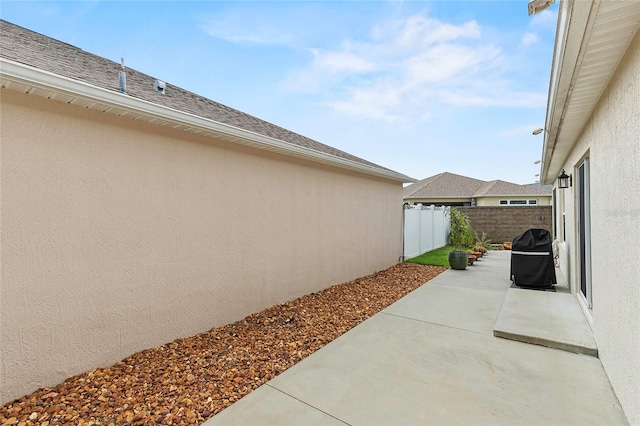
x,y
597,218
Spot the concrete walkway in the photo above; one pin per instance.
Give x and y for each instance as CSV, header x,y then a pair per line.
x,y
433,358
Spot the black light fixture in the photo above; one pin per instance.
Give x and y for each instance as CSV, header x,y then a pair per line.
x,y
565,180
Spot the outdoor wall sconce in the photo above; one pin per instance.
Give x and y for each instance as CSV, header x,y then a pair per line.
x,y
565,180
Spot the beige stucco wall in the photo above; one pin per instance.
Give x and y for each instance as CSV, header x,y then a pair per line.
x,y
610,139
118,236
437,201
482,201
495,201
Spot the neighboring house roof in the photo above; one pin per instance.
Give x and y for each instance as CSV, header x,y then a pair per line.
x,y
444,185
449,185
42,66
500,187
591,40
547,188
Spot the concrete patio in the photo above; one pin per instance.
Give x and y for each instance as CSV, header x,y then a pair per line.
x,y
433,358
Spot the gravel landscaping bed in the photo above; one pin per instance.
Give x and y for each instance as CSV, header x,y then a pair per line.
x,y
191,379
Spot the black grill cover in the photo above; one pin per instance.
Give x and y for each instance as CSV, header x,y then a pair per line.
x,y
532,259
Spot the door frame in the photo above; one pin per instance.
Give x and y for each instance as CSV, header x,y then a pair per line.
x,y
583,221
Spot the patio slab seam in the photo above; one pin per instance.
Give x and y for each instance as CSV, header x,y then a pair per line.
x,y
305,403
549,343
434,323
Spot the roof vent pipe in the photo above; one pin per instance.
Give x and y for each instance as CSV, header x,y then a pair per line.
x,y
123,78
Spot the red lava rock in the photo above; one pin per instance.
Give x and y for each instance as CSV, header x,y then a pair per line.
x,y
191,379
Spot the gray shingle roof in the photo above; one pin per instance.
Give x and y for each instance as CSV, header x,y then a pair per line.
x,y
443,185
547,188
500,187
36,50
449,185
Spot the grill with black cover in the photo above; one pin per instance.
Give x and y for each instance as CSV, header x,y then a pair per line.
x,y
532,260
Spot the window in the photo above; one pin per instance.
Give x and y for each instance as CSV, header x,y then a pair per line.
x,y
518,202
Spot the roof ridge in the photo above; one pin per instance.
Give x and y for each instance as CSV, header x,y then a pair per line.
x,y
451,185
416,186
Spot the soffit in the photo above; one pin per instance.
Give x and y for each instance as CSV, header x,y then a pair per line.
x,y
591,40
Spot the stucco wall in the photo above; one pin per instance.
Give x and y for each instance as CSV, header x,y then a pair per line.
x,y
118,236
610,139
495,201
438,201
481,202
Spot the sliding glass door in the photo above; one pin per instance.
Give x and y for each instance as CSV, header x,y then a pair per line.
x,y
584,231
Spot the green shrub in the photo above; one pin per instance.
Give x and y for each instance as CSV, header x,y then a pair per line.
x,y
461,234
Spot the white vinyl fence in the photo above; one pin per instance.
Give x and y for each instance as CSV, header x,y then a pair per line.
x,y
425,228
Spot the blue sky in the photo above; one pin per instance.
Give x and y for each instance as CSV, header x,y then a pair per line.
x,y
421,87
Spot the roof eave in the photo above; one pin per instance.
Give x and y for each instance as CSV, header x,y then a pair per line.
x,y
572,22
511,195
35,81
439,197
568,114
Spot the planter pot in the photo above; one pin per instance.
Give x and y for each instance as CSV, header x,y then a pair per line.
x,y
458,259
471,258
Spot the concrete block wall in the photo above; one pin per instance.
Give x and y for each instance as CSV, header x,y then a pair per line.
x,y
503,223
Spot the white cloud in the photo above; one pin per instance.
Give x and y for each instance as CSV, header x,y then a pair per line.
x,y
375,102
545,19
225,30
408,69
337,62
246,24
528,39
541,22
443,62
498,98
422,31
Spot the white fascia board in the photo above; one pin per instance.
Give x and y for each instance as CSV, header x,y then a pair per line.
x,y
24,74
444,197
558,95
512,195
574,19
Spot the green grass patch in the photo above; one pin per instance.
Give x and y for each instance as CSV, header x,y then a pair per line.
x,y
437,257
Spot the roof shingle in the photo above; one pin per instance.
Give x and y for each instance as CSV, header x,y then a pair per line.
x,y
450,185
36,50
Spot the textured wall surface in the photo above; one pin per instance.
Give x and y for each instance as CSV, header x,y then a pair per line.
x,y
118,236
504,223
495,201
613,135
610,140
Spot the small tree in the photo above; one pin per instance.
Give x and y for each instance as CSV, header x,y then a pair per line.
x,y
461,234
